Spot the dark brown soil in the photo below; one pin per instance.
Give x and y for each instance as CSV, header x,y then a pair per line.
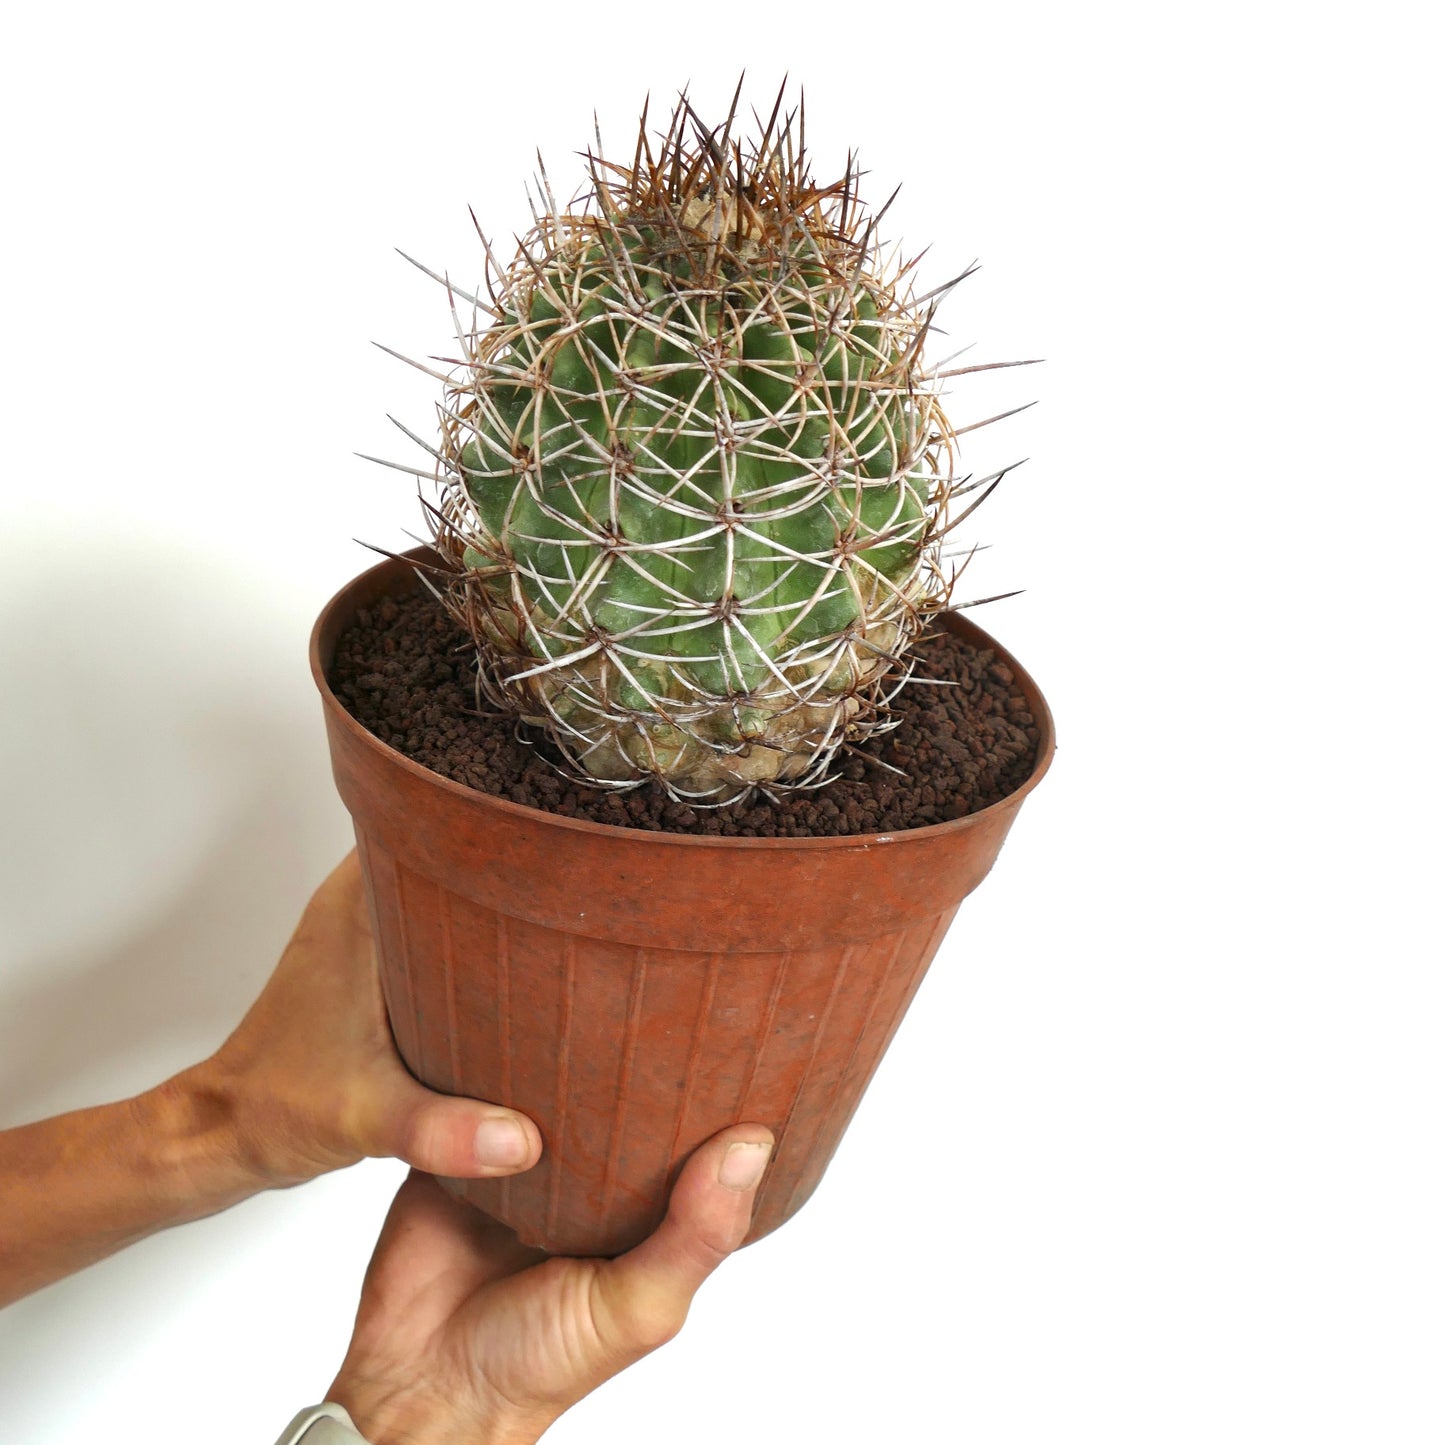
x,y
404,672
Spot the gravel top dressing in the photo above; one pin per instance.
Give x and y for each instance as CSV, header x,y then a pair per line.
x,y
404,671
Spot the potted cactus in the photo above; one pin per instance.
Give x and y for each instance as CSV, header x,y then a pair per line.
x,y
693,486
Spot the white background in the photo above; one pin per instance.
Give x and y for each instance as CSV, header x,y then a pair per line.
x,y
1157,1156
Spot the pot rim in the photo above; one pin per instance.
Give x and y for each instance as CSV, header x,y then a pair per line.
x,y
1043,719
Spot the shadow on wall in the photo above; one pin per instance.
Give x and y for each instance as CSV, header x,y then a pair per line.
x,y
167,809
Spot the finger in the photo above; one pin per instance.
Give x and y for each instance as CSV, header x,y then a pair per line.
x,y
347,885
460,1138
407,1247
344,880
340,902
643,1296
433,1243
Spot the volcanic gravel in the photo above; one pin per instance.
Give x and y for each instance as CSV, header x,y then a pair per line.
x,y
404,671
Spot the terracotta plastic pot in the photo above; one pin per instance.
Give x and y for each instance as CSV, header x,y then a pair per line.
x,y
635,992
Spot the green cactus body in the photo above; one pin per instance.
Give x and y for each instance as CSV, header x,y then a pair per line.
x,y
692,474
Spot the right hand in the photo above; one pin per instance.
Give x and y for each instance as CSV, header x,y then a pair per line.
x,y
311,1080
465,1335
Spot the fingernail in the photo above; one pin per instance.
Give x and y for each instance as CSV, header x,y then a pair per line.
x,y
742,1165
501,1142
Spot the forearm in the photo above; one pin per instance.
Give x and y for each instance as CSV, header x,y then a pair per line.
x,y
308,1082
76,1188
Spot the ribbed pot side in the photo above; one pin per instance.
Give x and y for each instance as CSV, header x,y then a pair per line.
x,y
636,992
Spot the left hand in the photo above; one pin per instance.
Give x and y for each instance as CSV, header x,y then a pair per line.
x,y
466,1337
312,1078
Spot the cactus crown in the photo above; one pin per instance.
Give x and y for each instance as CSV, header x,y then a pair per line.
x,y
693,476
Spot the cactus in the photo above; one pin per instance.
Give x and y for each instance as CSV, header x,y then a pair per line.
x,y
694,478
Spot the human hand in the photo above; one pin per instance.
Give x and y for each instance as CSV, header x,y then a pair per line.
x,y
311,1079
465,1335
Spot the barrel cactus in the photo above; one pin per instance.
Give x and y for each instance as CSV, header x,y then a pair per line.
x,y
694,478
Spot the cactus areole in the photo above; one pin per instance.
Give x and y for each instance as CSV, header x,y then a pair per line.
x,y
693,474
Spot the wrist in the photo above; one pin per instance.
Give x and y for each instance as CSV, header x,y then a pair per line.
x,y
324,1424
197,1155
263,1130
412,1415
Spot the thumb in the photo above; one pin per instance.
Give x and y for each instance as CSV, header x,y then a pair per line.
x,y
642,1297
452,1137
